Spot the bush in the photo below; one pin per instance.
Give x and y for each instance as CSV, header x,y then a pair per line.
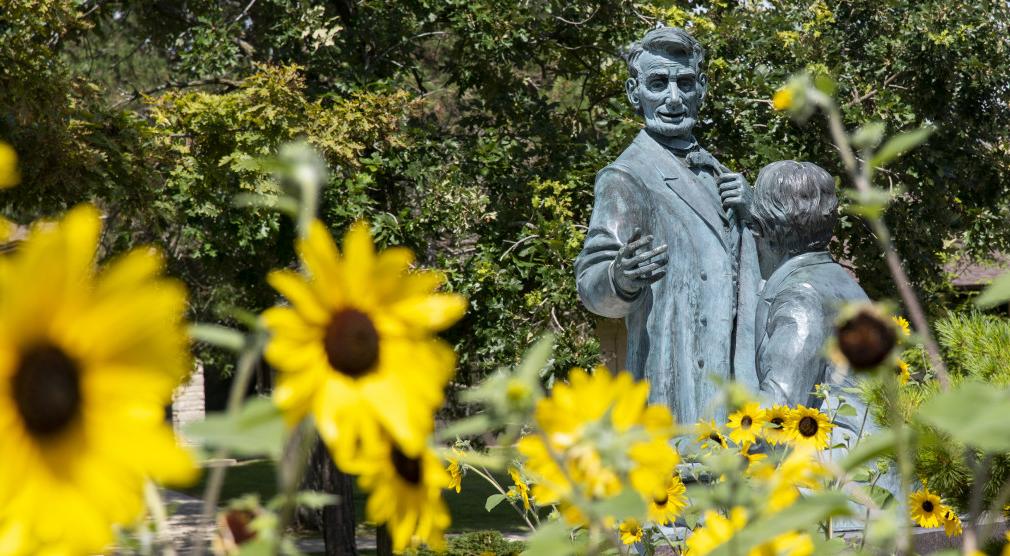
x,y
479,542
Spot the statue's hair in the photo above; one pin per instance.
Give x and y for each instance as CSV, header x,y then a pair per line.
x,y
667,40
795,205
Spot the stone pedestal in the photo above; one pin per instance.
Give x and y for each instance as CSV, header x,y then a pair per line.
x,y
188,403
613,342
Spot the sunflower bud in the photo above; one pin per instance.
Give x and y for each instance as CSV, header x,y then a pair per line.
x,y
866,339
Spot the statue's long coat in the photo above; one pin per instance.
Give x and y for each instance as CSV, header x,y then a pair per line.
x,y
694,323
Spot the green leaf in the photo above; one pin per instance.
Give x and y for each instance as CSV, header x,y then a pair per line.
x,y
536,358
315,499
868,136
626,504
869,448
899,145
257,429
465,427
551,539
493,501
974,414
868,204
996,293
846,410
802,515
218,336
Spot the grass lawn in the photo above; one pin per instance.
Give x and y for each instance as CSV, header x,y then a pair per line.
x,y
467,507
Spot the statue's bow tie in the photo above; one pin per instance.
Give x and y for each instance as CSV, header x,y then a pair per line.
x,y
702,159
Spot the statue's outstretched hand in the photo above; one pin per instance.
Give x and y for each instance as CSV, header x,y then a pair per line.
x,y
636,265
735,194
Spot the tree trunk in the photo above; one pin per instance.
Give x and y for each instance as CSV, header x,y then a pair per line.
x,y
336,521
383,542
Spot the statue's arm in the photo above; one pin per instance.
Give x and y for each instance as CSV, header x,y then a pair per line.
x,y
618,209
790,360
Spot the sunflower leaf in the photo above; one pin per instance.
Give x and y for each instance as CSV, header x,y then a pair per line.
x,y
257,429
493,501
870,447
996,293
973,414
218,336
552,539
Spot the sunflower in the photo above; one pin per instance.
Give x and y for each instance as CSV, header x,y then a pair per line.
x,y
799,470
455,471
669,503
9,173
521,489
88,362
786,544
631,531
775,432
405,493
925,508
809,427
587,411
901,370
951,522
356,348
749,460
715,531
708,435
902,324
745,425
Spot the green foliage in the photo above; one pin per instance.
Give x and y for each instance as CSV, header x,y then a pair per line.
x,y
471,131
478,542
975,348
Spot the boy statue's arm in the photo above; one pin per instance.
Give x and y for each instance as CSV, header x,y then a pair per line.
x,y
791,359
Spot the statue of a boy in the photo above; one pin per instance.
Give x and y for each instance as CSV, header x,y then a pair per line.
x,y
794,213
668,247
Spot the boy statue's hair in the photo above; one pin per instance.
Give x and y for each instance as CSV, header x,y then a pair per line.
x,y
795,206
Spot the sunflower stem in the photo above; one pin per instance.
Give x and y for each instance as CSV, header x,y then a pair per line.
x,y
486,475
240,384
293,463
155,505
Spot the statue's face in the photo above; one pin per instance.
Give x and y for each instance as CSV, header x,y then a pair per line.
x,y
668,91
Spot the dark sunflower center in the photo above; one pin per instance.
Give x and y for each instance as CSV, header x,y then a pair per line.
x,y
777,421
352,343
47,390
408,468
865,340
662,500
715,436
746,422
808,426
927,506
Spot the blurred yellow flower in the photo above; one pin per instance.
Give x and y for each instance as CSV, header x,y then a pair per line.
x,y
714,531
10,175
522,489
775,432
925,508
786,544
809,427
951,522
577,416
631,531
357,347
800,469
750,460
406,495
88,362
902,324
902,371
669,503
455,473
708,435
745,425
783,98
